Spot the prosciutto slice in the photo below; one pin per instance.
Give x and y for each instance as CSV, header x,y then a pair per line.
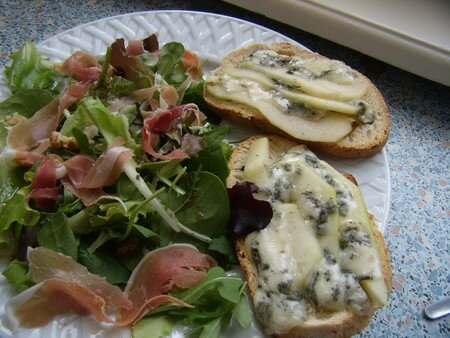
x,y
66,286
27,135
44,191
166,121
56,297
82,66
192,64
135,47
87,176
178,266
46,264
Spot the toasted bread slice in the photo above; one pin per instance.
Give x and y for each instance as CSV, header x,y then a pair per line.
x,y
320,323
363,141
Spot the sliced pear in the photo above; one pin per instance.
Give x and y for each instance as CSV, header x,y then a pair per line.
x,y
331,128
257,160
368,262
310,101
295,238
318,87
376,290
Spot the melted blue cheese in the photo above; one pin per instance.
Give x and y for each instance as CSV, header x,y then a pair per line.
x,y
310,87
318,248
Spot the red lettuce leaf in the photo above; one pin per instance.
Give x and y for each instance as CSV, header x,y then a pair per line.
x,y
247,214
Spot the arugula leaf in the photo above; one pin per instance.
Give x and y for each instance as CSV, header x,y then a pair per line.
x,y
103,262
26,102
147,233
210,329
242,313
215,300
17,274
214,157
28,71
57,236
153,327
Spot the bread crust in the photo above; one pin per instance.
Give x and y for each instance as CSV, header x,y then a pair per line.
x,y
363,141
324,323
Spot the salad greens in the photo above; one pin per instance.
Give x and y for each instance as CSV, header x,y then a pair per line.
x,y
216,299
172,190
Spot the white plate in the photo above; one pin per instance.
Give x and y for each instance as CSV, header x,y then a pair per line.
x,y
211,36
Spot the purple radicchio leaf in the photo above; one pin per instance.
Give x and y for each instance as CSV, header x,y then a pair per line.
x,y
151,43
248,214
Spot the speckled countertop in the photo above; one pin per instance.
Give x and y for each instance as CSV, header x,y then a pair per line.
x,y
418,149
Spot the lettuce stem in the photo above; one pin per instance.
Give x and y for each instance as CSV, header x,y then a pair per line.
x,y
167,214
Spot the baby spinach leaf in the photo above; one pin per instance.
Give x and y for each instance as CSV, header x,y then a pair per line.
x,y
149,59
224,246
165,64
169,64
205,208
214,157
57,236
17,274
175,49
103,262
26,102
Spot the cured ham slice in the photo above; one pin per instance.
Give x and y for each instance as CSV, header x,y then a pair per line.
x,y
66,286
177,266
25,136
46,264
54,297
135,47
82,66
28,158
192,64
44,191
106,168
166,121
86,176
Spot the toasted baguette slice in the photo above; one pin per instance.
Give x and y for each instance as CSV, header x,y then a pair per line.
x,y
321,323
365,139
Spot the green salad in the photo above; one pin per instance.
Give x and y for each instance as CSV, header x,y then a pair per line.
x,y
105,159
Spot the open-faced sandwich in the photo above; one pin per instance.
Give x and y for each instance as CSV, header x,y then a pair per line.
x,y
289,91
315,263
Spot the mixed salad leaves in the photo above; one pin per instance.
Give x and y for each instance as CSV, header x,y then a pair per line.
x,y
107,158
